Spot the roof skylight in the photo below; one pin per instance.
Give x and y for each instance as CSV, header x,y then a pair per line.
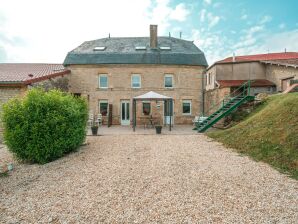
x,y
140,48
167,48
99,48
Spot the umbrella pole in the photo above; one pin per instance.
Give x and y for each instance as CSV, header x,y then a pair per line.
x,y
134,114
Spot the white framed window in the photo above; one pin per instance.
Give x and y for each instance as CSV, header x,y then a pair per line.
x,y
135,81
186,107
103,107
103,81
146,107
169,81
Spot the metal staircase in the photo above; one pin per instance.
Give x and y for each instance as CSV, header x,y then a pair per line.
x,y
231,102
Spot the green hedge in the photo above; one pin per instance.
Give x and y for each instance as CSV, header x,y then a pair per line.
x,y
44,126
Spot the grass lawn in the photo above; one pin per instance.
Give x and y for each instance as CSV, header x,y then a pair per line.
x,y
269,134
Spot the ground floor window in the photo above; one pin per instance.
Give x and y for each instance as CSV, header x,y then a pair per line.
x,y
103,107
186,107
146,108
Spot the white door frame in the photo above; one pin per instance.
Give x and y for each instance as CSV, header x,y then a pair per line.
x,y
164,118
126,107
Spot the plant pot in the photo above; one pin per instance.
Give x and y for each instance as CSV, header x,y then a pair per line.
x,y
158,129
94,130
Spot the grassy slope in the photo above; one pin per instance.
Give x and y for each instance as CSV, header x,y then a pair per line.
x,y
270,134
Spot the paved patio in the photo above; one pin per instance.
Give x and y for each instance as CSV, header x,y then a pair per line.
x,y
140,130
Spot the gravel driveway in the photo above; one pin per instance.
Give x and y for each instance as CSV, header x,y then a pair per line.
x,y
149,179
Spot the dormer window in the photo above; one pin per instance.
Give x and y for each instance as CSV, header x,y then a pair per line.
x,y
99,48
140,48
165,48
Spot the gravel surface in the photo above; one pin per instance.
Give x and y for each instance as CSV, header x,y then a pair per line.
x,y
149,179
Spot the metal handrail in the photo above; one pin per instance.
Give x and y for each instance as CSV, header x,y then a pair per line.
x,y
221,102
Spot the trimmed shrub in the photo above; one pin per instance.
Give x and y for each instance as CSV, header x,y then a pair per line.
x,y
43,126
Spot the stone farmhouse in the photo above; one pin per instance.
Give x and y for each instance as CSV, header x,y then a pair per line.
x,y
16,78
272,72
109,72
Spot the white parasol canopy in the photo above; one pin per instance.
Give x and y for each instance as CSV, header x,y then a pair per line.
x,y
152,96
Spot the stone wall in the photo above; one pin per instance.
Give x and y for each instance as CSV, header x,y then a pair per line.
x,y
7,93
276,74
213,98
60,82
187,86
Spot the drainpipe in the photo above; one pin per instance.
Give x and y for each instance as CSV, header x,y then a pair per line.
x,y
203,93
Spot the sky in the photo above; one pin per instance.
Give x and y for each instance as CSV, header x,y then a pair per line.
x,y
44,31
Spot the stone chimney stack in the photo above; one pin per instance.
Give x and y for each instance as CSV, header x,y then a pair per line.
x,y
153,36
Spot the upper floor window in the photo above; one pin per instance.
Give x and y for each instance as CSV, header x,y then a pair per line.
x,y
103,81
169,81
136,81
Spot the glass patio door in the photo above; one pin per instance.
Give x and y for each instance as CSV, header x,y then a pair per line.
x,y
125,117
169,110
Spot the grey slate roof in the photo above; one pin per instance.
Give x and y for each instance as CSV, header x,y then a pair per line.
x,y
122,51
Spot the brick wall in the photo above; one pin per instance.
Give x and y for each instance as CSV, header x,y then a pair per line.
x,y
187,86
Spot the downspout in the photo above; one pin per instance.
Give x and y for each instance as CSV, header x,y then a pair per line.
x,y
203,93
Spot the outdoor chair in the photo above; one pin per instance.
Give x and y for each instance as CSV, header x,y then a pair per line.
x,y
90,119
195,120
99,119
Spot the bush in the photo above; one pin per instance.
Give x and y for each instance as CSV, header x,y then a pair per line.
x,y
44,126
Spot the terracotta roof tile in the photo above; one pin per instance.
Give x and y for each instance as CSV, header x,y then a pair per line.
x,y
254,83
262,57
26,73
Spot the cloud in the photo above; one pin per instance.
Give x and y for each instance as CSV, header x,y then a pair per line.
x,y
249,38
244,17
3,55
208,2
212,44
179,13
279,41
265,19
203,15
282,26
48,32
271,42
213,20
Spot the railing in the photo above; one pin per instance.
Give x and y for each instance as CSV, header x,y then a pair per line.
x,y
221,103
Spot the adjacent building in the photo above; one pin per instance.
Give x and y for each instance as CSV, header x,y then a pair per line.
x,y
16,78
272,72
109,72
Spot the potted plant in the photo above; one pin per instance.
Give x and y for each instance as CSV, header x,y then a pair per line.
x,y
94,129
94,125
158,128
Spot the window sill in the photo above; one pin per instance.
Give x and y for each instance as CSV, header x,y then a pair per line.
x,y
186,115
102,88
169,88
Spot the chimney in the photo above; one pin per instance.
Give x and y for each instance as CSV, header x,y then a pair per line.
x,y
153,36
